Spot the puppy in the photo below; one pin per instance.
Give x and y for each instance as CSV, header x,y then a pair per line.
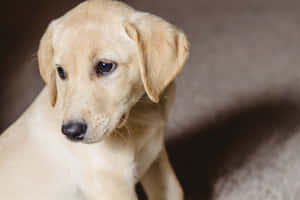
x,y
97,128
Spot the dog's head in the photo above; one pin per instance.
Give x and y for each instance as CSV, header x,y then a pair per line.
x,y
100,58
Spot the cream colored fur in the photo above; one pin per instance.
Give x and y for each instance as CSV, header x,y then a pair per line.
x,y
38,163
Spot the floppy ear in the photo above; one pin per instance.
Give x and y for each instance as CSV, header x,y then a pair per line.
x,y
45,57
162,51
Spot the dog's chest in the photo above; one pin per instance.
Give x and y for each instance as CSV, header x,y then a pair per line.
x,y
58,171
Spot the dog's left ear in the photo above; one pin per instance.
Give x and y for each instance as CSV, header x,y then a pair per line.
x,y
45,57
162,51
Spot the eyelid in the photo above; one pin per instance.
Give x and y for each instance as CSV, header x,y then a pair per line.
x,y
105,60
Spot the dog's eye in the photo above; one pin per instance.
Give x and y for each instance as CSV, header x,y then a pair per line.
x,y
105,67
61,73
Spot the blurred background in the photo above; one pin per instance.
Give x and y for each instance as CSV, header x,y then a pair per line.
x,y
234,129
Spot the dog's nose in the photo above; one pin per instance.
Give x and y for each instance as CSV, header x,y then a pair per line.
x,y
74,130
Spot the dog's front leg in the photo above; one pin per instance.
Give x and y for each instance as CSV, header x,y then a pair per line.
x,y
110,185
160,181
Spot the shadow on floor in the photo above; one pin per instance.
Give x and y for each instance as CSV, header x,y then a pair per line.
x,y
222,146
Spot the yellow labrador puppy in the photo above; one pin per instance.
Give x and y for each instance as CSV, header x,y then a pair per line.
x,y
107,68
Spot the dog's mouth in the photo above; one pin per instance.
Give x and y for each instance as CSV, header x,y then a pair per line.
x,y
95,139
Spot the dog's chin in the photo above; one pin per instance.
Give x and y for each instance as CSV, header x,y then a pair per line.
x,y
91,141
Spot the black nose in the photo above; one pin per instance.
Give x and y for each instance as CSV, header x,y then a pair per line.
x,y
74,130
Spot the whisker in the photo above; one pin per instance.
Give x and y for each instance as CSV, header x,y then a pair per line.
x,y
120,134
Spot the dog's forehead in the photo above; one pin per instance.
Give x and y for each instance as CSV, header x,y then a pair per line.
x,y
93,28
91,34
93,40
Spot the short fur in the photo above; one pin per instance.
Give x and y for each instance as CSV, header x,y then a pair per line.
x,y
125,114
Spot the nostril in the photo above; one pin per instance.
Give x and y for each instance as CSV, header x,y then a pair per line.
x,y
74,130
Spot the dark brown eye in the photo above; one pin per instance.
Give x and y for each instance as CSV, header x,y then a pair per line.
x,y
105,67
61,73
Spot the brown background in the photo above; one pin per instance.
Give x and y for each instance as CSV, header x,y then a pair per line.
x,y
234,128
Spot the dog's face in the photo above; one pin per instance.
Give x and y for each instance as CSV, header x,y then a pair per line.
x,y
97,79
100,58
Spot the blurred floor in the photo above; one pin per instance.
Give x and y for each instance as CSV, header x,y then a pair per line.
x,y
233,131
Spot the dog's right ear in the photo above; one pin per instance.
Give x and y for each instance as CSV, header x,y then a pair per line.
x,y
46,65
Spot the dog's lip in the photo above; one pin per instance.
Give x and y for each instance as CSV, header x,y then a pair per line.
x,y
93,140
